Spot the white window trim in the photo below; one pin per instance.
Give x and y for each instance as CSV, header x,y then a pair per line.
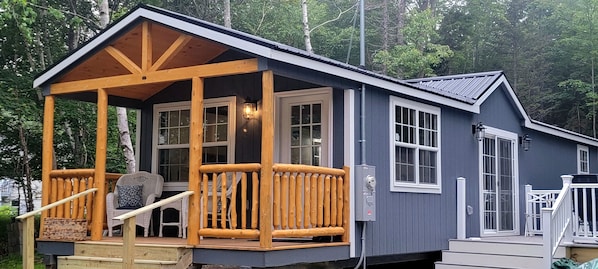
x,y
230,101
587,150
413,187
316,94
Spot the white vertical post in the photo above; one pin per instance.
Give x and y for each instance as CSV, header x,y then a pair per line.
x,y
547,237
567,179
529,219
461,208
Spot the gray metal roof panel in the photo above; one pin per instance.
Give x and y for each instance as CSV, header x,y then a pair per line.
x,y
469,87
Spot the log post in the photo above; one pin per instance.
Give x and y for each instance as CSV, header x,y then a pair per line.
x,y
267,159
195,158
99,209
47,156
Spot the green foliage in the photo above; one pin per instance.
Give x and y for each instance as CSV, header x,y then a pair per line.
x,y
419,55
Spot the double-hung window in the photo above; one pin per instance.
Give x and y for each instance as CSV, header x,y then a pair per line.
x,y
415,147
583,160
171,138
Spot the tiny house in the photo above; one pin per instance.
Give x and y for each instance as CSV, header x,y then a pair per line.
x,y
324,151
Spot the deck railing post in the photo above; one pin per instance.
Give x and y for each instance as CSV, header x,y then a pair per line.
x,y
528,210
129,229
461,208
547,237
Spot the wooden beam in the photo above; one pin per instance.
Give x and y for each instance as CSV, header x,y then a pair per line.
x,y
129,229
169,54
99,207
146,46
28,243
267,159
123,59
47,153
168,75
195,158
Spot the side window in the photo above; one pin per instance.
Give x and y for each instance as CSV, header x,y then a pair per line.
x,y
415,147
171,137
583,160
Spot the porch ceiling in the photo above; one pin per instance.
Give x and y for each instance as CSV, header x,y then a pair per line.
x,y
124,55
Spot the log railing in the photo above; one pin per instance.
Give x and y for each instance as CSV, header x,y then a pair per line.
x,y
307,201
28,225
310,201
69,182
222,215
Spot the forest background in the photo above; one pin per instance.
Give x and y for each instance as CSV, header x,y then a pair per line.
x,y
548,50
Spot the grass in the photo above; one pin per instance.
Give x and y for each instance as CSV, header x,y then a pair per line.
x,y
14,261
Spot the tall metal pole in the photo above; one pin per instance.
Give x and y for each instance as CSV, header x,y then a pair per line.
x,y
362,65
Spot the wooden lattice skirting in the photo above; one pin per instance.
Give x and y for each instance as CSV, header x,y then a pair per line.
x,y
65,229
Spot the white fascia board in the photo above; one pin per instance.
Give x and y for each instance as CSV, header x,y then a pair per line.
x,y
363,78
560,132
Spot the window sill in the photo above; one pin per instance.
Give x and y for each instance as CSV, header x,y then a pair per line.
x,y
435,189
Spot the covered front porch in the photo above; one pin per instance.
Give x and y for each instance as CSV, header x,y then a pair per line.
x,y
282,196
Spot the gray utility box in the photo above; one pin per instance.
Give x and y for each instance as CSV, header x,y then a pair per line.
x,y
365,193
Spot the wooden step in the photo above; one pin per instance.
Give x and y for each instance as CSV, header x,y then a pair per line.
x,y
442,265
491,260
534,249
142,251
72,262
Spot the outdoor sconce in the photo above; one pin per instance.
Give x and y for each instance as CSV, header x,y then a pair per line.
x,y
478,130
525,141
249,109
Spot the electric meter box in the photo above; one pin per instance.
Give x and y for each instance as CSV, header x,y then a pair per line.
x,y
365,193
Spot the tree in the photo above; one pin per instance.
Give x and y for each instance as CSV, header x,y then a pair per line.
x,y
419,55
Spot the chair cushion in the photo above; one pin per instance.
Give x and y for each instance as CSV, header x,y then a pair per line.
x,y
130,196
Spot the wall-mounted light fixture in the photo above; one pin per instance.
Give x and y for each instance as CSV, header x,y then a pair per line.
x,y
478,130
249,109
525,141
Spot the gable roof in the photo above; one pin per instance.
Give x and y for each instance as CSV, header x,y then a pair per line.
x,y
465,92
252,45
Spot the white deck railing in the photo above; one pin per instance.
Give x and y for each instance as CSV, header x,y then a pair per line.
x,y
584,208
556,221
535,200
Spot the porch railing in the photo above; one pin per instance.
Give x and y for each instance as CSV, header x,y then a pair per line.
x,y
557,221
535,200
28,225
68,182
307,201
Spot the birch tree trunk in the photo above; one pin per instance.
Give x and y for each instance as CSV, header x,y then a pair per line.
x,y
306,33
227,19
121,113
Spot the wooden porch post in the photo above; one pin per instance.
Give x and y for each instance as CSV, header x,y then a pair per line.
x,y
99,209
267,159
195,158
47,149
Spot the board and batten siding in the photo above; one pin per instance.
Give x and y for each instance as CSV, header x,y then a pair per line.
x,y
414,222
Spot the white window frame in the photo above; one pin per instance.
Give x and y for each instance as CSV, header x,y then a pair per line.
x,y
284,100
580,149
230,101
415,187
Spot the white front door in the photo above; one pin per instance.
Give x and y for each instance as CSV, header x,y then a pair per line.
x,y
498,183
304,120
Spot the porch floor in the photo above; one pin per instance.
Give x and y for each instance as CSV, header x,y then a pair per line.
x,y
509,239
222,243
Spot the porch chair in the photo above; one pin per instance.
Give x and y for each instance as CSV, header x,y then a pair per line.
x,y
133,191
227,194
182,207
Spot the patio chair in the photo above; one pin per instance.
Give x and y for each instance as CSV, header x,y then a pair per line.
x,y
133,191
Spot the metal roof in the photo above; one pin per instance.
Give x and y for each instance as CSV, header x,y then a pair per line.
x,y
466,87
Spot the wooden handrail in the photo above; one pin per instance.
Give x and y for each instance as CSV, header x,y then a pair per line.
x,y
130,223
72,172
300,168
222,168
153,205
28,229
55,204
